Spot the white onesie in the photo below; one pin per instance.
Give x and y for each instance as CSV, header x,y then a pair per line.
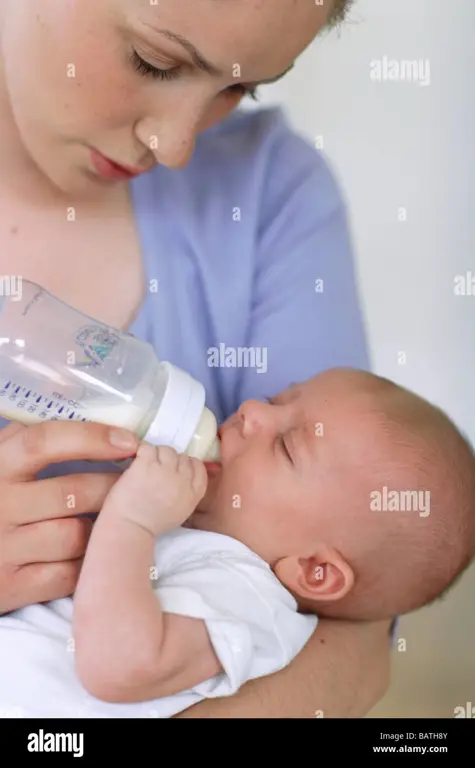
x,y
251,618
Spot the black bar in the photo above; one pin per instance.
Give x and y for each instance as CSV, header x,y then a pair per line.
x,y
88,741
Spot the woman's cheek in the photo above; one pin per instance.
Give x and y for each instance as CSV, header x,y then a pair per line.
x,y
101,101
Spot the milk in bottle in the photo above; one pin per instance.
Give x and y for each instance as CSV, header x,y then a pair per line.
x,y
58,364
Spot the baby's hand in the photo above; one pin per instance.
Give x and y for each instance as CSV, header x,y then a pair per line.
x,y
160,489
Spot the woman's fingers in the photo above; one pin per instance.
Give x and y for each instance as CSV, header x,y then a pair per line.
x,y
49,541
42,541
10,430
38,583
26,451
57,497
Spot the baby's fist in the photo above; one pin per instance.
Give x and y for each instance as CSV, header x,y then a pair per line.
x,y
161,488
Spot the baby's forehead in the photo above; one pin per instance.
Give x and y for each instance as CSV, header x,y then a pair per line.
x,y
350,403
327,387
345,397
346,384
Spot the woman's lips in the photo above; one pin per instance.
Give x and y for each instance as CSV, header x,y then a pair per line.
x,y
110,170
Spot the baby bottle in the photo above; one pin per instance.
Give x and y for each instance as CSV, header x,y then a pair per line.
x,y
59,364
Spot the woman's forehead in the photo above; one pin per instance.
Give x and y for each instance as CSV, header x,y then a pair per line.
x,y
247,31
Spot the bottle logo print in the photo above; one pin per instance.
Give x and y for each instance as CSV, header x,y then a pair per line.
x,y
97,341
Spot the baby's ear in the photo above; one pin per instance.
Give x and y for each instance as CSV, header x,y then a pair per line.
x,y
324,577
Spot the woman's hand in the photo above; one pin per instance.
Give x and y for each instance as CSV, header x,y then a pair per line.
x,y
42,542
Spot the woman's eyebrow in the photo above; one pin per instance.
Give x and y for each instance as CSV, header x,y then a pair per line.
x,y
200,61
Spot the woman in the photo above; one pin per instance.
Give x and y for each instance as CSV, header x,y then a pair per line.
x,y
236,237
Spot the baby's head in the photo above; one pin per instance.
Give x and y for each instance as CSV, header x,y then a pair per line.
x,y
358,493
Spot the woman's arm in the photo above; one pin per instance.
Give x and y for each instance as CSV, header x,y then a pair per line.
x,y
342,672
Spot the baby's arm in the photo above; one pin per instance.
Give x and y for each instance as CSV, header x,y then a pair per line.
x,y
126,649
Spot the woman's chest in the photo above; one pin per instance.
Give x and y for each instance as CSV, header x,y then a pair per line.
x,y
90,258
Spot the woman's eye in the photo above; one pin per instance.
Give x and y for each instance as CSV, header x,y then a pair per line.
x,y
148,70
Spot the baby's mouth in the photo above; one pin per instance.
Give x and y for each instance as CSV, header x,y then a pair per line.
x,y
213,468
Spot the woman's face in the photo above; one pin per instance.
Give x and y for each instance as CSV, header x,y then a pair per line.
x,y
78,79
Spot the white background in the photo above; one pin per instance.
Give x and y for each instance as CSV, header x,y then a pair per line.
x,y
397,144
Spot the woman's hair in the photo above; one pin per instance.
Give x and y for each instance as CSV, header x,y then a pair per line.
x,y
340,9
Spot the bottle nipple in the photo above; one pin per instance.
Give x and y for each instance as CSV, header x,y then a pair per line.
x,y
205,444
214,451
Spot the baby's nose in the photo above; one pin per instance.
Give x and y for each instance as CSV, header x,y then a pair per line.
x,y
254,415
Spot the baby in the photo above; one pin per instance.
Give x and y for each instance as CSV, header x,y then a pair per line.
x,y
359,496
344,496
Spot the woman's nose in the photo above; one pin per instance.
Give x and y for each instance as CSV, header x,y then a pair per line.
x,y
171,142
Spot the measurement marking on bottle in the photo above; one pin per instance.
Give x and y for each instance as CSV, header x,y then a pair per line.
x,y
50,406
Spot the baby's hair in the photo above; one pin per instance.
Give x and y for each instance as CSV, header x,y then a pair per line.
x,y
468,558
438,450
406,561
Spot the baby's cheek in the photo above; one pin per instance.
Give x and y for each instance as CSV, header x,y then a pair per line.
x,y
222,502
236,489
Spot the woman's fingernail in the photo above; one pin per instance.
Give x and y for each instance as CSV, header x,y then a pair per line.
x,y
121,438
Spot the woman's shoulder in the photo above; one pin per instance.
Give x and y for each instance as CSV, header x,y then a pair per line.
x,y
266,132
260,152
